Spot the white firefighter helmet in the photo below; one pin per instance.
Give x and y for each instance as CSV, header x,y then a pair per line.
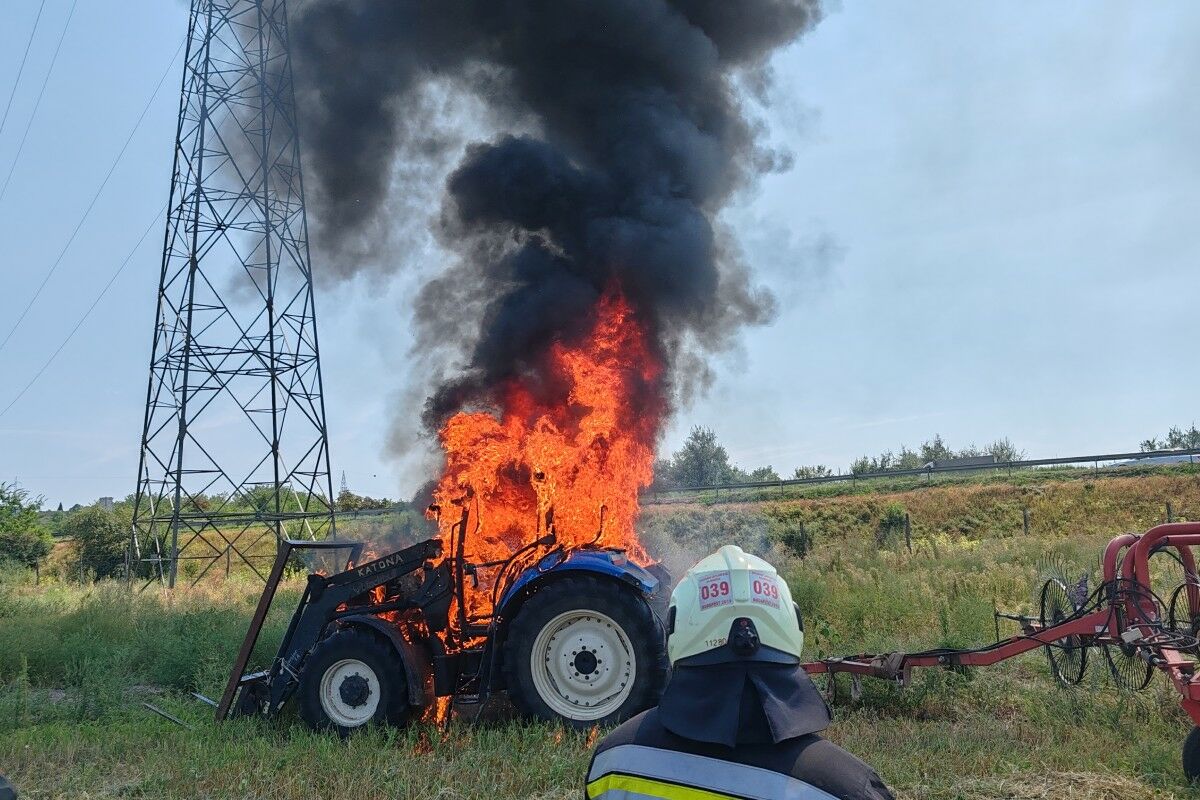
x,y
733,607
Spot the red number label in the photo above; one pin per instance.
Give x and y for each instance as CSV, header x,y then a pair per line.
x,y
715,589
711,591
765,591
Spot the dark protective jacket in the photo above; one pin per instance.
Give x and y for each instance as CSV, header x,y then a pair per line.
x,y
641,760
731,732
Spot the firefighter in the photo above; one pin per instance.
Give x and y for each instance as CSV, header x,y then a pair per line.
x,y
739,717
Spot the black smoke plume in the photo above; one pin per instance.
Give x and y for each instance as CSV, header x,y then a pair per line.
x,y
627,136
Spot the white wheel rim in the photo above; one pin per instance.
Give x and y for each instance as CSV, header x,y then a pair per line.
x,y
342,697
583,665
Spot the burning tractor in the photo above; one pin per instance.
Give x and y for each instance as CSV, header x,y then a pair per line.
x,y
571,633
561,617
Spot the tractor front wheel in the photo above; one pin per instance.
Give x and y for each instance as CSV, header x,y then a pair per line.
x,y
585,651
350,680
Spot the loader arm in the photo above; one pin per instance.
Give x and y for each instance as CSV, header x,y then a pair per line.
x,y
319,605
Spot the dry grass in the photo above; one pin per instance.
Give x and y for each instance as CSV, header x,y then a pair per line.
x,y
1053,786
1057,507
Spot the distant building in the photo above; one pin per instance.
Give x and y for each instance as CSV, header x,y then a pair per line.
x,y
106,503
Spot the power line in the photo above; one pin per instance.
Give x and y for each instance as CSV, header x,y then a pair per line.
x,y
92,204
86,314
37,103
20,477
21,69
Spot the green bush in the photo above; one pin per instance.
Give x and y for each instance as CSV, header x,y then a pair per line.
x,y
891,524
23,539
101,540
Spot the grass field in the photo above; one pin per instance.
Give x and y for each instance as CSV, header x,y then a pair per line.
x,y
76,664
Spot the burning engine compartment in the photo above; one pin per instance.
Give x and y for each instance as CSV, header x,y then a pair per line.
x,y
572,454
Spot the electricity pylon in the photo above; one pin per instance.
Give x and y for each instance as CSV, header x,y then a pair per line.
x,y
235,452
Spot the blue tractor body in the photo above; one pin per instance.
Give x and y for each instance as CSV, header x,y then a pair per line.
x,y
606,562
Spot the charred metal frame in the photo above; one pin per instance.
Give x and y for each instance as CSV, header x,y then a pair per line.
x,y
325,599
282,555
235,362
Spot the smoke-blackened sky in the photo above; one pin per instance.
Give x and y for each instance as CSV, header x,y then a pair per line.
x,y
622,135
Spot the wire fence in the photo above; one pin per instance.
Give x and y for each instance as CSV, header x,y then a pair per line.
x,y
371,512
660,493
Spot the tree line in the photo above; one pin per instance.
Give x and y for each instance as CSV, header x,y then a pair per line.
x,y
98,534
1176,439
703,461
933,451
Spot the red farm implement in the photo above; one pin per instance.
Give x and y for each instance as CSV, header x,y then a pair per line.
x,y
1136,629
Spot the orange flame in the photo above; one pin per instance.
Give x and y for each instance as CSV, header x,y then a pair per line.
x,y
589,448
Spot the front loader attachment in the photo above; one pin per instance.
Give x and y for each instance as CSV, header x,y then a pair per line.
x,y
236,677
325,599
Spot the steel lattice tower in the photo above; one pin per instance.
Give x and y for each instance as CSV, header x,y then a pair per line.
x,y
234,450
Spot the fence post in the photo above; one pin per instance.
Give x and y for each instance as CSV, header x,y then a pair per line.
x,y
1170,512
908,532
1025,520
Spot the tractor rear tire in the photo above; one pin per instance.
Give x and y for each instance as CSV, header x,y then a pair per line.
x,y
1191,755
585,651
353,679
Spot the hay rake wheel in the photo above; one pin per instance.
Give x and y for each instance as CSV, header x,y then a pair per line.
x,y
1068,656
1129,671
1180,615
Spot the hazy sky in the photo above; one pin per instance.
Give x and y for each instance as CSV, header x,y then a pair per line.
x,y
989,231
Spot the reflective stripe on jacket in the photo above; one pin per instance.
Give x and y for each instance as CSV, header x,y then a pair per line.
x,y
637,772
